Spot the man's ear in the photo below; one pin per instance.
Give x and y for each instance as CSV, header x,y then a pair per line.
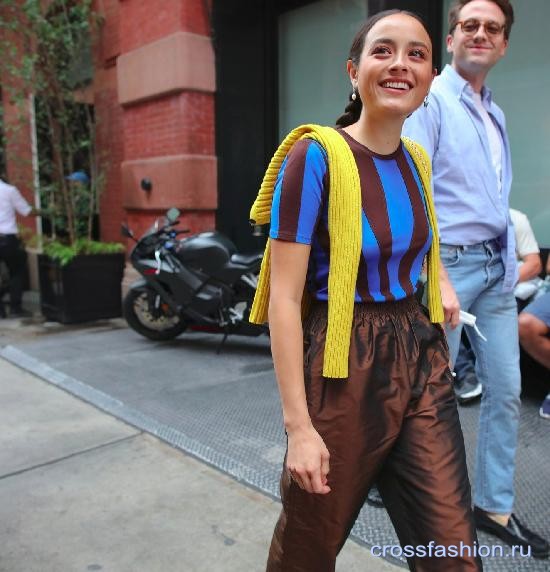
x,y
449,43
504,48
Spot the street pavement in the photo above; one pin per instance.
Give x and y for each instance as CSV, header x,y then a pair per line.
x,y
83,491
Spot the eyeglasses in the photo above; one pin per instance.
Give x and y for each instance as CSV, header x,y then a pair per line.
x,y
471,26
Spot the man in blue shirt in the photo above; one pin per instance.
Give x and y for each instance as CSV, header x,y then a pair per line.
x,y
464,132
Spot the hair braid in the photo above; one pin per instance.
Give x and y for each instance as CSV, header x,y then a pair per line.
x,y
352,112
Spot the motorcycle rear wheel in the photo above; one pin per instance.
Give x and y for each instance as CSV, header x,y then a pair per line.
x,y
159,325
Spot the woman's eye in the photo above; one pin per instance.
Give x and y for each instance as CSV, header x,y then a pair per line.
x,y
418,54
381,50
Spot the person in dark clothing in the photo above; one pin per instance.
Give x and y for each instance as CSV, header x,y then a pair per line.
x,y
11,251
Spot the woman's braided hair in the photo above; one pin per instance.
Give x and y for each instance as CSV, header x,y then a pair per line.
x,y
353,109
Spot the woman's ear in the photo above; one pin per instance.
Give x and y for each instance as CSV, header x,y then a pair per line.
x,y
352,72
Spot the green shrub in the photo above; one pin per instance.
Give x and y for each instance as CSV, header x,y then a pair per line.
x,y
64,253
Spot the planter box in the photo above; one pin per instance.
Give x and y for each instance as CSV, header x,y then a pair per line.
x,y
86,289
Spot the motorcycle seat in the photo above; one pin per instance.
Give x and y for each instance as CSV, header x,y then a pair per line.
x,y
246,259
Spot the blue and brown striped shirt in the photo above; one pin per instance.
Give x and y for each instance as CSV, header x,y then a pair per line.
x,y
395,231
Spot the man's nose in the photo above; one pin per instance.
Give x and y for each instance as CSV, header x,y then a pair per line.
x,y
480,34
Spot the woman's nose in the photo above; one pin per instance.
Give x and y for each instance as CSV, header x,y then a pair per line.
x,y
399,62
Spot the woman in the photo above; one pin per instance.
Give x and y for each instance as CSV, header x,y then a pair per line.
x,y
370,398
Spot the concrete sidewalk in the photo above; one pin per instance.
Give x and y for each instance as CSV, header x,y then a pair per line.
x,y
83,491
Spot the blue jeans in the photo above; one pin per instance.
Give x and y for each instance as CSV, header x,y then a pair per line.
x,y
476,273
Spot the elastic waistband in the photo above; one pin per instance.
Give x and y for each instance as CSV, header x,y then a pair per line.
x,y
364,311
493,244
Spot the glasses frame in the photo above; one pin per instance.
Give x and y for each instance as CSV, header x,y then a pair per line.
x,y
480,23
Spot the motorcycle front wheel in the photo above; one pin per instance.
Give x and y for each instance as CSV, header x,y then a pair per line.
x,y
158,324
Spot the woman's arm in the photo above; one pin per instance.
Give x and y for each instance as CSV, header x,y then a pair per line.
x,y
307,455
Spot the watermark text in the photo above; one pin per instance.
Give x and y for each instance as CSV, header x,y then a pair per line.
x,y
433,550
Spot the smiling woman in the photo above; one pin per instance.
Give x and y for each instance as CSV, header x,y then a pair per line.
x,y
361,367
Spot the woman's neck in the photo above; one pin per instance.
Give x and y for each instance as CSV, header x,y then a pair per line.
x,y
380,135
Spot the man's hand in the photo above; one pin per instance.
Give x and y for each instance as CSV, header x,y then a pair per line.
x,y
41,212
308,460
449,299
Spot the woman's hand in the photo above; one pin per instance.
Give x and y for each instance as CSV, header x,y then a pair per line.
x,y
449,299
308,460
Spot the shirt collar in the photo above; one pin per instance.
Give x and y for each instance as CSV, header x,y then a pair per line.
x,y
461,87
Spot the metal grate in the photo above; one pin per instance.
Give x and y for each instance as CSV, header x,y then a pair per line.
x,y
224,409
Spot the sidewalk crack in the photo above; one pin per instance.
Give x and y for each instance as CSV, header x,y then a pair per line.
x,y
70,456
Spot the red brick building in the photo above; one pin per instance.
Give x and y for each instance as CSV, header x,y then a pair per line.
x,y
154,87
153,96
186,95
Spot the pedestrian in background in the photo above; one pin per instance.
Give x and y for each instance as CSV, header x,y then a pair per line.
x,y
464,133
11,250
370,397
534,335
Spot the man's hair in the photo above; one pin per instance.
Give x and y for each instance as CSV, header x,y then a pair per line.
x,y
504,5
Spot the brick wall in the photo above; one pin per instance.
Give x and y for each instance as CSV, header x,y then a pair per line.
x,y
109,134
17,128
182,123
168,118
172,118
110,145
144,22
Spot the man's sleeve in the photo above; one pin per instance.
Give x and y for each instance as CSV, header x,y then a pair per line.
x,y
526,243
423,126
19,203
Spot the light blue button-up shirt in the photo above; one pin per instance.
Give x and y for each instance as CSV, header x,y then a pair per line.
x,y
469,207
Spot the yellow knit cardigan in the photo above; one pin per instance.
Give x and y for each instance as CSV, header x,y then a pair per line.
x,y
344,223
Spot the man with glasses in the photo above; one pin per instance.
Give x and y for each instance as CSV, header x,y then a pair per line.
x,y
464,133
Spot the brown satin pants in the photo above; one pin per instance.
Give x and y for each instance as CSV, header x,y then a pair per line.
x,y
394,421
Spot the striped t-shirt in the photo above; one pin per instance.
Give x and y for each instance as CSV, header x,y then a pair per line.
x,y
395,231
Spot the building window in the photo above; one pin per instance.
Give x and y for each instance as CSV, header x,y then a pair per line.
x,y
314,42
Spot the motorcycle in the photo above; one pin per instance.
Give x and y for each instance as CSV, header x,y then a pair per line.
x,y
198,283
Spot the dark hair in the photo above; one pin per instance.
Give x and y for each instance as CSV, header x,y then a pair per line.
x,y
353,109
504,5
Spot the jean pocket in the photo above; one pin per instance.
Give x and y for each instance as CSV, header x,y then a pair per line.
x,y
450,255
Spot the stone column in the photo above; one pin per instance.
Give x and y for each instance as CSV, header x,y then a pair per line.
x,y
165,84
